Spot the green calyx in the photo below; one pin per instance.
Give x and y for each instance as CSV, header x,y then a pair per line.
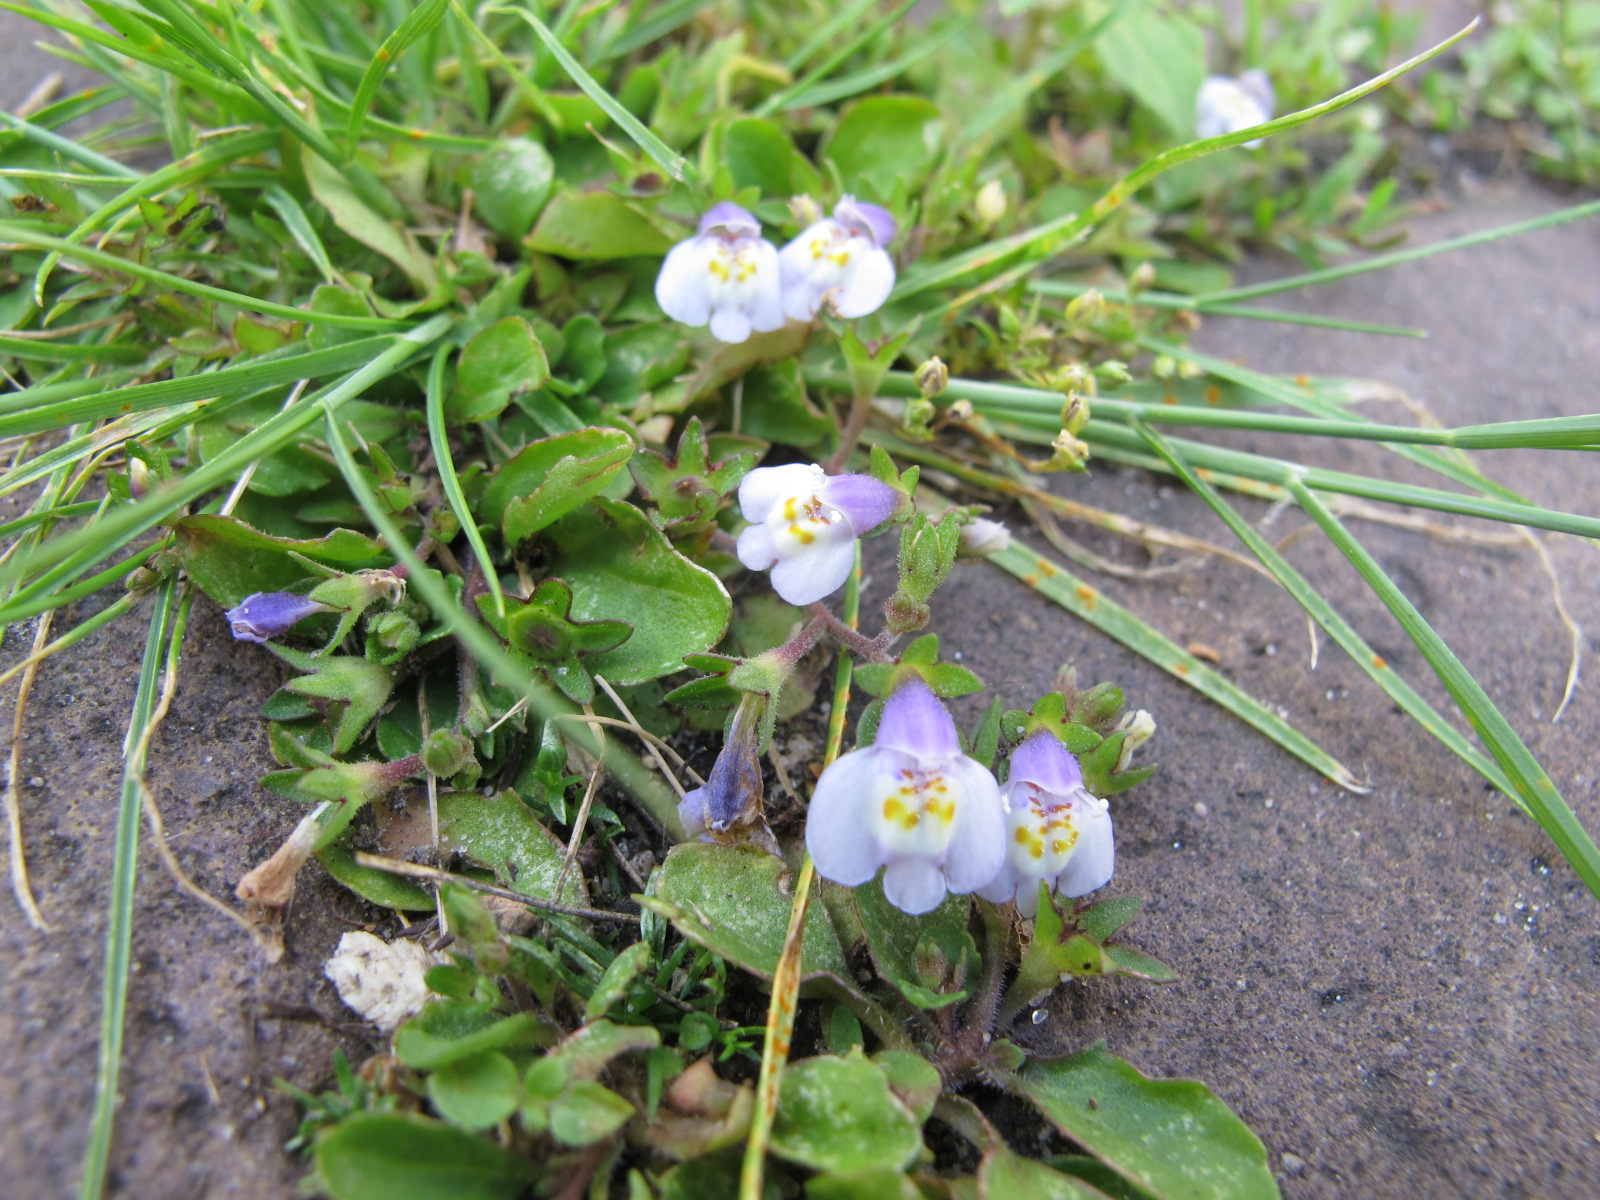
x,y
541,629
920,659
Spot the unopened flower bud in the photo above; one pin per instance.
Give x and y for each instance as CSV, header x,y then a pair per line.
x,y
446,752
932,377
960,411
138,478
917,419
1164,366
266,615
1086,309
805,210
1138,728
980,537
1142,279
1188,369
1074,414
1113,373
991,202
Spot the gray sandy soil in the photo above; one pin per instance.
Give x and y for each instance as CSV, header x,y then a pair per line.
x,y
1399,991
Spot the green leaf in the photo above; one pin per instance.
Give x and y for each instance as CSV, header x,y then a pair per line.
x,y
868,1183
618,979
926,957
228,560
1125,960
358,689
622,568
776,409
501,361
478,1092
1102,921
759,154
447,1031
378,887
1161,59
511,183
1003,1173
586,1113
1170,1136
569,481
595,225
395,1156
727,899
502,833
838,1114
352,214
883,140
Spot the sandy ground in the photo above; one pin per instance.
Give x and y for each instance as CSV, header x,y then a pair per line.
x,y
1400,992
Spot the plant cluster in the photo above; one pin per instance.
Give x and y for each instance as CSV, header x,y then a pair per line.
x,y
443,357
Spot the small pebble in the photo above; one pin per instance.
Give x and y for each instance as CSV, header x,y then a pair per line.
x,y
35,781
1293,1164
1201,809
1039,1016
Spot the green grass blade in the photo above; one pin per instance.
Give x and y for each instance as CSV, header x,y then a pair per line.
x,y
185,171
543,701
781,99
40,350
1015,93
1056,583
60,558
439,438
67,148
871,77
1380,261
1338,628
669,160
124,873
1178,302
50,411
658,24
1452,466
1069,228
418,23
1539,794
845,17
13,231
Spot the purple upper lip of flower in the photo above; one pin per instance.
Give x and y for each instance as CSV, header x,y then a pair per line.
x,y
859,216
727,219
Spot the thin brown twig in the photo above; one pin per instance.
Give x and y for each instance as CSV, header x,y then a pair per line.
x,y
20,887
417,871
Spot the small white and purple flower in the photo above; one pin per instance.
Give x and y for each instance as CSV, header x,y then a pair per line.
x,y
1227,105
1055,830
804,525
727,276
912,803
266,615
840,261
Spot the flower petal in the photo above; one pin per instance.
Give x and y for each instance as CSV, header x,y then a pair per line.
x,y
1002,888
765,487
865,502
838,835
1094,858
915,723
819,572
978,838
868,284
731,325
766,307
1043,760
683,289
913,885
692,812
755,548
